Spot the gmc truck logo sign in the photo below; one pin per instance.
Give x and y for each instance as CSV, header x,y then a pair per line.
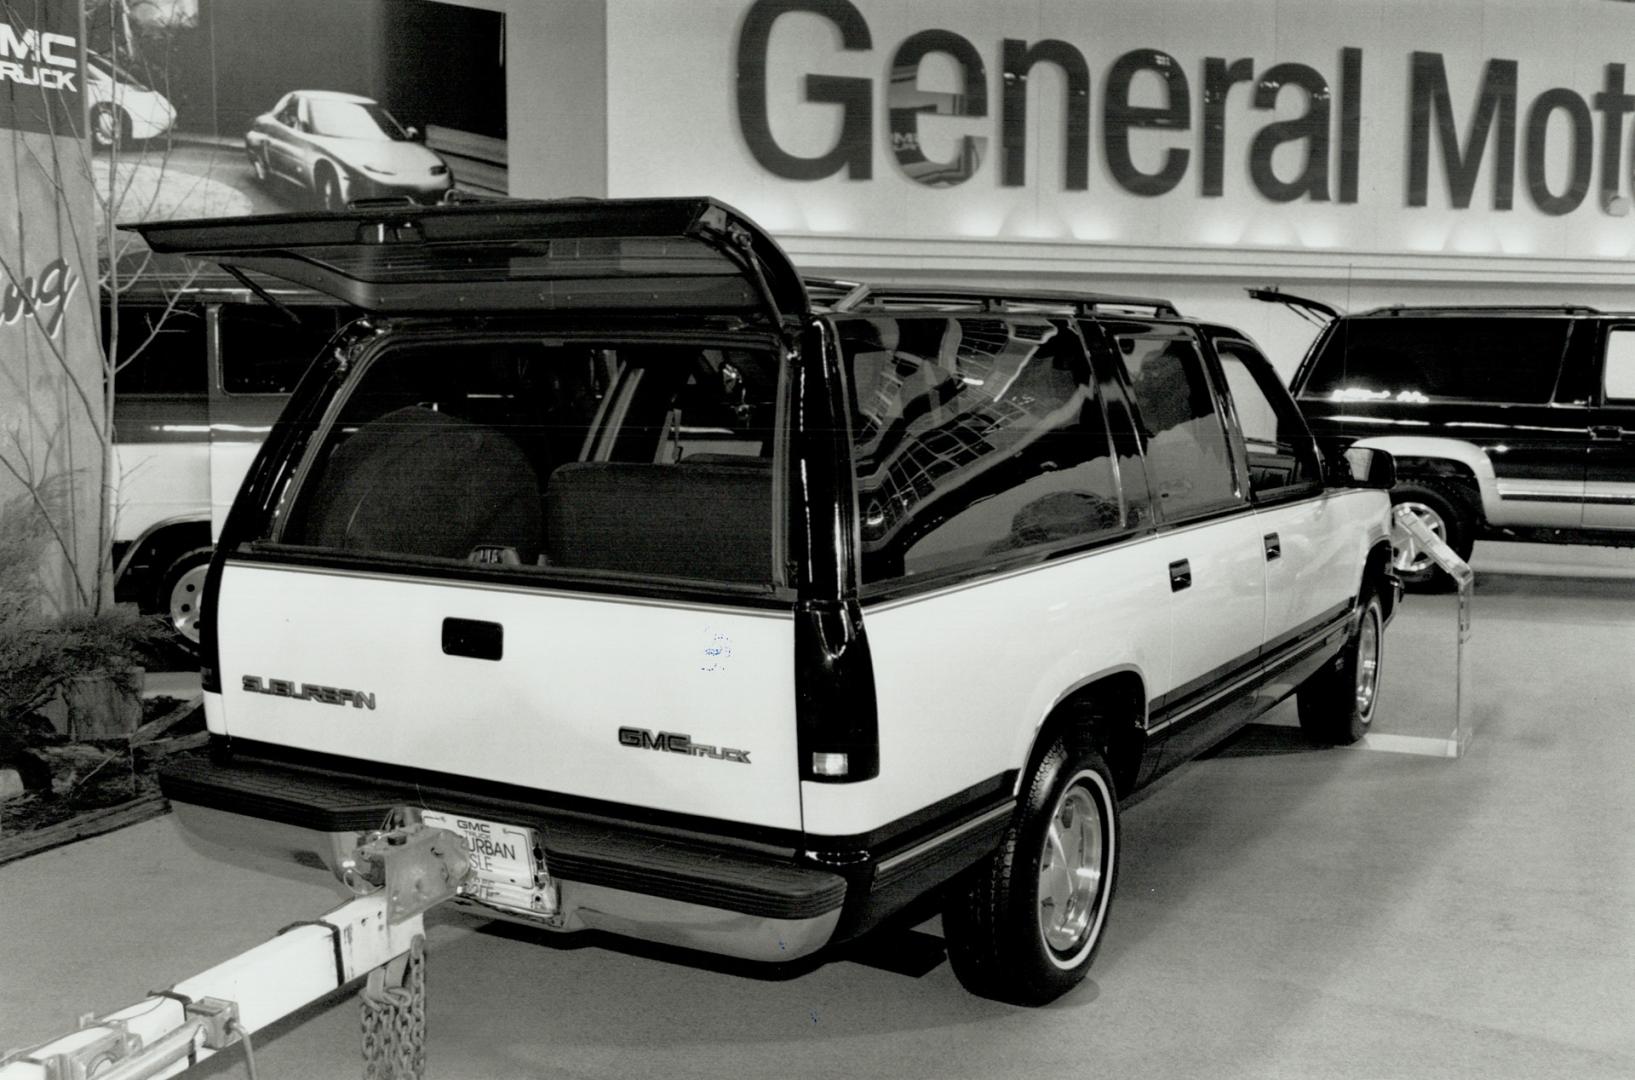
x,y
676,743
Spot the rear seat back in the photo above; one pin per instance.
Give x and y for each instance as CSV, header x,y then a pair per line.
x,y
708,520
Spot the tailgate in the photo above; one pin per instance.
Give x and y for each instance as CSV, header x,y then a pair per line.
x,y
670,707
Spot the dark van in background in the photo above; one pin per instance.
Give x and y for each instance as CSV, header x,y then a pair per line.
x,y
206,367
1512,423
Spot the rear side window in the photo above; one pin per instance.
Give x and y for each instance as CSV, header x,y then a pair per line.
x,y
1619,382
1411,359
161,350
630,461
1283,459
1180,426
263,352
975,440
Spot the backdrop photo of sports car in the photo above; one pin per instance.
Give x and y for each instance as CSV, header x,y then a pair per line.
x,y
192,114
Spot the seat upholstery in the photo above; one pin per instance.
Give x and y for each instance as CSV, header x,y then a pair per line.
x,y
419,482
704,520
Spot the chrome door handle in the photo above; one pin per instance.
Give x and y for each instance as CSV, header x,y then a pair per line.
x,y
1606,433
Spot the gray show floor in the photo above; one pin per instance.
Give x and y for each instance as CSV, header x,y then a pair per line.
x,y
1282,912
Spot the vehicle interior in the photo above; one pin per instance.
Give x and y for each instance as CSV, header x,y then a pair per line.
x,y
647,460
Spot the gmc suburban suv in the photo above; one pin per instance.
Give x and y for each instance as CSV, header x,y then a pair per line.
x,y
718,608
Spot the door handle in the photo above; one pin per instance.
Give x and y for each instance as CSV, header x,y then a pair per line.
x,y
1180,575
1606,433
474,638
1274,547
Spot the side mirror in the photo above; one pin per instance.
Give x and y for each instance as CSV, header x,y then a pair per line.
x,y
1363,467
414,134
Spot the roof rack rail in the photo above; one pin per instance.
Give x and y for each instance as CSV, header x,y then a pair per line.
x,y
1486,309
842,295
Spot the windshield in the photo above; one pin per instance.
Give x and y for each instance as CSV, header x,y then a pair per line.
x,y
116,72
354,120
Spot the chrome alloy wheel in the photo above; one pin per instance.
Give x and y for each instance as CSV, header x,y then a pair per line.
x,y
1406,554
184,602
1072,869
1368,662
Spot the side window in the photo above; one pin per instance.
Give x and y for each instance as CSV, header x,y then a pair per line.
x,y
161,353
1283,458
262,352
974,439
1620,370
1180,427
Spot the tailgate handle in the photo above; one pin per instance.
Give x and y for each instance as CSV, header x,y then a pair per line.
x,y
474,638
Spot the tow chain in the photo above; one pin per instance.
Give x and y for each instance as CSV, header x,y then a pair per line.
x,y
394,1018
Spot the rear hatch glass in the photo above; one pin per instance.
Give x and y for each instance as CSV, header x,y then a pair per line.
x,y
574,457
1410,359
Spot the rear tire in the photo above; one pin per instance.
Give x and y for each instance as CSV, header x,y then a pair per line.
x,y
1337,703
1024,925
1447,510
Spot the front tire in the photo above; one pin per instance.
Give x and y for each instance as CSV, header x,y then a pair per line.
x,y
1447,511
110,127
1337,703
1025,924
329,190
177,597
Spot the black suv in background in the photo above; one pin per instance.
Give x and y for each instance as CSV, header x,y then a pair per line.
x,y
1505,422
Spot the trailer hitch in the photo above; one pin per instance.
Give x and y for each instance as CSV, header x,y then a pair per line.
x,y
399,874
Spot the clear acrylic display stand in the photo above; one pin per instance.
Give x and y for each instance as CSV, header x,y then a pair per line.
x,y
1424,705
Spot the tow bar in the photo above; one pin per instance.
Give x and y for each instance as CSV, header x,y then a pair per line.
x,y
380,936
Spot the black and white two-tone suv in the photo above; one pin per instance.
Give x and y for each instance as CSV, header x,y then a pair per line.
x,y
723,611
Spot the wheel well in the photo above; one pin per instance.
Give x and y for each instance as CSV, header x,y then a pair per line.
x,y
1432,468
1107,712
1375,570
154,552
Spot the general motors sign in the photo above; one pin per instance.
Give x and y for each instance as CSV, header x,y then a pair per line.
x,y
1378,126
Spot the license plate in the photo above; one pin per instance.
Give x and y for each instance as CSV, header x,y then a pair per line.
x,y
506,872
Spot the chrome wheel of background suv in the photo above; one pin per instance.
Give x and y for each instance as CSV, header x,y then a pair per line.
x,y
1405,553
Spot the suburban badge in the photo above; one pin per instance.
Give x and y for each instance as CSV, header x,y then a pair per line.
x,y
328,695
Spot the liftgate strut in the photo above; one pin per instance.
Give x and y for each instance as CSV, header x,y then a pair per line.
x,y
379,935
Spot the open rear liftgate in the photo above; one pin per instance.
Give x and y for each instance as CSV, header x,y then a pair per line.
x,y
379,935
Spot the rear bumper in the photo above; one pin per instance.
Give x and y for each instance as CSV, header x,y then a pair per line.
x,y
740,899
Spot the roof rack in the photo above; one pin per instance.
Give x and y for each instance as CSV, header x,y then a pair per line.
x,y
1484,309
842,295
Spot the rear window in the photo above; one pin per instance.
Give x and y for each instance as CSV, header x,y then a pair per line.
x,y
1409,359
646,461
